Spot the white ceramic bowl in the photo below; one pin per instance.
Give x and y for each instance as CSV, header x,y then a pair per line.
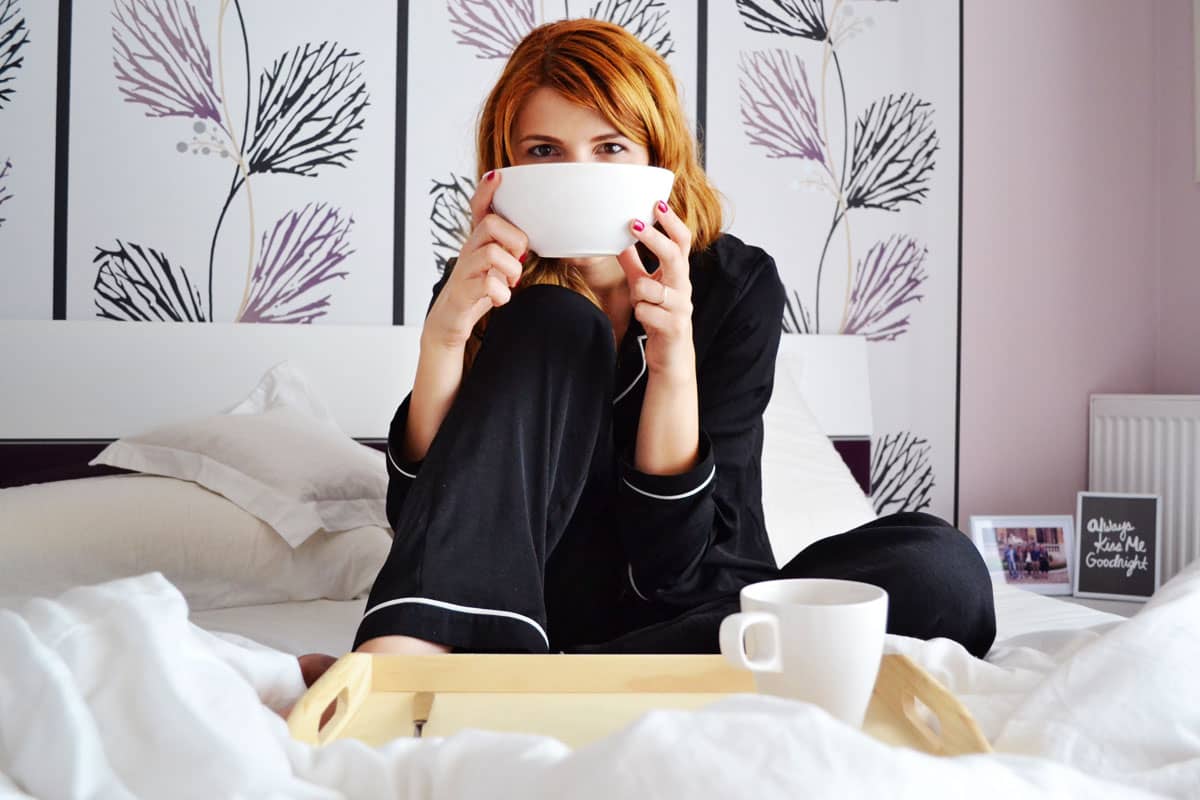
x,y
577,210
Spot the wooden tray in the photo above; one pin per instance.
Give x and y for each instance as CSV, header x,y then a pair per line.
x,y
581,698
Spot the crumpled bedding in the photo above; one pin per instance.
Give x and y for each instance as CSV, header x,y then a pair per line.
x,y
110,692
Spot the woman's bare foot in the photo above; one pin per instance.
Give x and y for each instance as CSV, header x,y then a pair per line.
x,y
402,646
314,665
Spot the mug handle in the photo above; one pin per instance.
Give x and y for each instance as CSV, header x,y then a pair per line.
x,y
733,641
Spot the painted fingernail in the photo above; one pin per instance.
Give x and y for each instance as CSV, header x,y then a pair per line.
x,y
638,225
524,256
662,206
491,173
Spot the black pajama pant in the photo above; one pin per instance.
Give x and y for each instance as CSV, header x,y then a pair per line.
x,y
503,542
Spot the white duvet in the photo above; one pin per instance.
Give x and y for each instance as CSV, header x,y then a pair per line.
x,y
109,692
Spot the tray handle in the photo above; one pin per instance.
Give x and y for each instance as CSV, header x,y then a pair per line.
x,y
348,682
901,683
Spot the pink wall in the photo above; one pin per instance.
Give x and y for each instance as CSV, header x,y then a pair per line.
x,y
1177,369
1060,239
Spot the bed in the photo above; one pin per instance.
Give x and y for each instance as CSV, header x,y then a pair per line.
x,y
327,626
179,597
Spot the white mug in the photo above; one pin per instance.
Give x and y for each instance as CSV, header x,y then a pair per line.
x,y
811,639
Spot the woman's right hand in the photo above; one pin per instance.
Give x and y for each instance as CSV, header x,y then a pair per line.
x,y
488,268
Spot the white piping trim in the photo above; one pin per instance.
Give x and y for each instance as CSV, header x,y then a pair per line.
x,y
642,347
487,612
634,585
706,482
397,466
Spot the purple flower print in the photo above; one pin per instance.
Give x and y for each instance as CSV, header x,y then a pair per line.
x,y
492,27
161,59
886,281
778,109
300,253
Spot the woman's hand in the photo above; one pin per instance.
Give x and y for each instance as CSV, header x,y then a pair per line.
x,y
488,267
662,302
668,429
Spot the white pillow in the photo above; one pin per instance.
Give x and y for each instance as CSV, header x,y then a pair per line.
x,y
272,457
54,536
284,386
808,491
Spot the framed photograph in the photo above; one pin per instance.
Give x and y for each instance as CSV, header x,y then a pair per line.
x,y
1116,554
1031,552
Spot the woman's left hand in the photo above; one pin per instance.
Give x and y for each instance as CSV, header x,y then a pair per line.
x,y
662,302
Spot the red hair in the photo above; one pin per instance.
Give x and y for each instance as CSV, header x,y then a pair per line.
x,y
602,66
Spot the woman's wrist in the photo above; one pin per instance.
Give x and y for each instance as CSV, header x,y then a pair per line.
x,y
668,438
677,370
439,373
439,342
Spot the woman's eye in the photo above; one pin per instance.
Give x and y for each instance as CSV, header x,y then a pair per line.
x,y
612,148
541,151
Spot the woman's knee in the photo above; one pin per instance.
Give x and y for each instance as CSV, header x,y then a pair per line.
x,y
917,519
552,314
961,591
545,331
938,584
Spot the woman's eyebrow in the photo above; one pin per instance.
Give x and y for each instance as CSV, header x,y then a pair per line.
x,y
541,137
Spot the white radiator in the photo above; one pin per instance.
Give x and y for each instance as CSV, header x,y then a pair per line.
x,y
1150,444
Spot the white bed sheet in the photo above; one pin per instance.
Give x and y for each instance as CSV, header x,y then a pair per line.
x,y
314,626
328,626
108,691
1019,612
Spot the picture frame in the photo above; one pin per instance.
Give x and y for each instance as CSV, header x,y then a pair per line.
x,y
1031,552
1116,553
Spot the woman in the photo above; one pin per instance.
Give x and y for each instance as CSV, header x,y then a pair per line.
x,y
577,467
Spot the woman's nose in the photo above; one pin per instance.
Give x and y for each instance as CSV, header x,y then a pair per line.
x,y
581,155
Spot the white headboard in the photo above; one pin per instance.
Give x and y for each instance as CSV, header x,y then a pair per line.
x,y
100,380
106,379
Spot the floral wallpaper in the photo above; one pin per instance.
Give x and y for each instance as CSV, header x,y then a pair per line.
x,y
293,161
837,161
304,118
244,146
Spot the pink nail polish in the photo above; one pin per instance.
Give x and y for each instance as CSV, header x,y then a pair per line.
x,y
662,206
638,225
491,173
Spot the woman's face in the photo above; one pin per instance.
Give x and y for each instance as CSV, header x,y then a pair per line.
x,y
550,128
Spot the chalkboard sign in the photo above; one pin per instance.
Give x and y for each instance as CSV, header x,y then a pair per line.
x,y
1117,551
